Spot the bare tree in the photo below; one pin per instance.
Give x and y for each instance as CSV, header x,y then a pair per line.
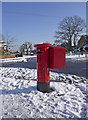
x,y
27,46
69,29
9,40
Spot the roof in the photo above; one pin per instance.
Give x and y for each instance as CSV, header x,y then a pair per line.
x,y
85,46
1,41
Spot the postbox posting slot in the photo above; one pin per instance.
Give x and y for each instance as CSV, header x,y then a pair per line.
x,y
39,52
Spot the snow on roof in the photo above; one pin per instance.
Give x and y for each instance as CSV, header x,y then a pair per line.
x,y
85,46
1,41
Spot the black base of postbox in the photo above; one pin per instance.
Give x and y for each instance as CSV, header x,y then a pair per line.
x,y
44,87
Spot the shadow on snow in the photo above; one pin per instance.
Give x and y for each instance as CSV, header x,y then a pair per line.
x,y
18,91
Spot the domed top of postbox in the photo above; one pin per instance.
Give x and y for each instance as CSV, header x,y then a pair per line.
x,y
43,45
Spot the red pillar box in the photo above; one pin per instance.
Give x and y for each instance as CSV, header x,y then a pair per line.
x,y
48,57
43,83
57,57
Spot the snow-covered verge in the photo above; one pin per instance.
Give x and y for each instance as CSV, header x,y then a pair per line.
x,y
83,57
16,59
20,98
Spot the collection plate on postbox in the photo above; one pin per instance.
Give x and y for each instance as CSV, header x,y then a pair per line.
x,y
57,57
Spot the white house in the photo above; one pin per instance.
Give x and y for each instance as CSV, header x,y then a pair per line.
x,y
2,45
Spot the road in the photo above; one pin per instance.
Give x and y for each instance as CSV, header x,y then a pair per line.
x,y
77,68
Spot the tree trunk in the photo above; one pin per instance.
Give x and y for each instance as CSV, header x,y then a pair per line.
x,y
74,41
70,44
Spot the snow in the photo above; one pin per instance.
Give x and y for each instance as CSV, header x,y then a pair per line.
x,y
20,98
17,59
85,46
27,58
77,57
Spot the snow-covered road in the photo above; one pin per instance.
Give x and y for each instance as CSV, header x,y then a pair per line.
x,y
20,98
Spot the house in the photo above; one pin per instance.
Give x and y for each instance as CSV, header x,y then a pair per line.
x,y
85,47
2,45
83,41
